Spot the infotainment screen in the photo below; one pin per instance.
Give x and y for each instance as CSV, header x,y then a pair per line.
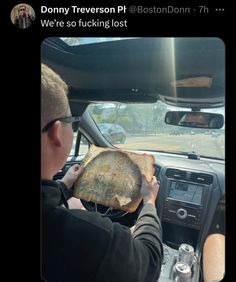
x,y
186,192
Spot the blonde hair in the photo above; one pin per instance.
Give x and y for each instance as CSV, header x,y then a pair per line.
x,y
22,5
54,102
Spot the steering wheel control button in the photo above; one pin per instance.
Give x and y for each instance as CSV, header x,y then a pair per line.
x,y
181,213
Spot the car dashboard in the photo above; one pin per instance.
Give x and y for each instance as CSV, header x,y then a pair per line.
x,y
190,190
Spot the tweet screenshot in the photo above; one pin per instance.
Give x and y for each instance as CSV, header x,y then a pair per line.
x,y
122,106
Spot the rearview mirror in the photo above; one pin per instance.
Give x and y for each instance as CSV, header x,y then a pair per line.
x,y
195,119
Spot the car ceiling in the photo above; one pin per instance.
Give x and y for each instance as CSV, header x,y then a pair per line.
x,y
141,69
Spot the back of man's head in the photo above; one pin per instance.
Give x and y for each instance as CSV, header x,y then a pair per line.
x,y
54,102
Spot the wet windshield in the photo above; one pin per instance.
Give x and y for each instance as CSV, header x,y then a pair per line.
x,y
142,127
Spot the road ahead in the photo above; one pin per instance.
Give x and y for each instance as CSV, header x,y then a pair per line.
x,y
203,144
207,145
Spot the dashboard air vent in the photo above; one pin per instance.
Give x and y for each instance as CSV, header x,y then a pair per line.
x,y
201,178
176,173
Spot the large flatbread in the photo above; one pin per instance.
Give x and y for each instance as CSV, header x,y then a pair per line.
x,y
112,177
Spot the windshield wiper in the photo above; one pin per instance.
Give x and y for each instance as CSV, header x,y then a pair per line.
x,y
182,153
212,158
164,151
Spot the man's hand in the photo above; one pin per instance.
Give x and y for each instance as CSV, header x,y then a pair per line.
x,y
72,174
149,190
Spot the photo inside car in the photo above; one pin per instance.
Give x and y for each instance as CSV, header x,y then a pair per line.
x,y
133,159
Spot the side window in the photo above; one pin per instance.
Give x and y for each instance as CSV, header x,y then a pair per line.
x,y
83,146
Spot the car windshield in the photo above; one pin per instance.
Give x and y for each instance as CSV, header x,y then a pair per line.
x,y
145,129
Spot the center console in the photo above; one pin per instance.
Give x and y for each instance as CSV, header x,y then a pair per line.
x,y
179,265
184,204
185,195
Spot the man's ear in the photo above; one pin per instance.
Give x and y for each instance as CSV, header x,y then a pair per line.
x,y
54,134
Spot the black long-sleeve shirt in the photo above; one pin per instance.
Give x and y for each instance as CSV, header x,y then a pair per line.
x,y
78,245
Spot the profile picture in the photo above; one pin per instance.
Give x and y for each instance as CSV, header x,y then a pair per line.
x,y
22,15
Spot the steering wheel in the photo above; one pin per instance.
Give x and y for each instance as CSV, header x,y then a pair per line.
x,y
104,211
114,214
124,218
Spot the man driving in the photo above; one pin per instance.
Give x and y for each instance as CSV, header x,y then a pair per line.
x,y
195,119
78,245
